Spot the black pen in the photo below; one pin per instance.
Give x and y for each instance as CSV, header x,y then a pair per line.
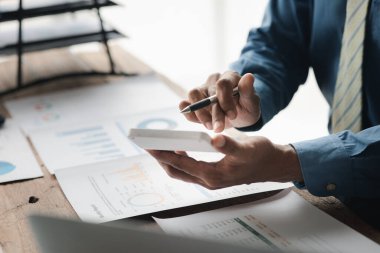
x,y
205,102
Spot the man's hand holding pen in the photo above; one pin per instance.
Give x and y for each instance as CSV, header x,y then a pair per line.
x,y
230,110
255,159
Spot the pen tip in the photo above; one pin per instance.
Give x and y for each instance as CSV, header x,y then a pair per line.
x,y
186,110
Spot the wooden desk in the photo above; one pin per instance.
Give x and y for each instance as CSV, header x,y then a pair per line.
x,y
15,235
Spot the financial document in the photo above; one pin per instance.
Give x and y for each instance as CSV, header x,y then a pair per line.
x,y
17,160
106,101
138,185
98,141
283,223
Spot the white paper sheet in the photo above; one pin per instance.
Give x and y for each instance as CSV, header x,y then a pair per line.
x,y
285,222
17,160
72,146
88,104
134,186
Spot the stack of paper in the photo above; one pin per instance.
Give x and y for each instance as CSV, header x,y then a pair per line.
x,y
102,140
283,223
81,135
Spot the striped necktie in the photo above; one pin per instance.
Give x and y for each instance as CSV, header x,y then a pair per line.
x,y
347,102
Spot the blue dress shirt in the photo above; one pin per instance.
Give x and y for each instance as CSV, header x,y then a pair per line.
x,y
296,35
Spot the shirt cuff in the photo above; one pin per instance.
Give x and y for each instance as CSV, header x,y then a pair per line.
x,y
257,126
326,166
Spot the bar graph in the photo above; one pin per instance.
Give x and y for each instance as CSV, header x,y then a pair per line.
x,y
131,174
92,143
82,144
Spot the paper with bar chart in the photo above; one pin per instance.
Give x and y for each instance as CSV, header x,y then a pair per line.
x,y
17,161
283,223
138,185
70,146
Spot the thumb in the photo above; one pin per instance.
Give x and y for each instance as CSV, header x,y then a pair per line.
x,y
246,89
225,144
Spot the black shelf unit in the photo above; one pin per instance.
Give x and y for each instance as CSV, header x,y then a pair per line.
x,y
63,41
21,47
52,9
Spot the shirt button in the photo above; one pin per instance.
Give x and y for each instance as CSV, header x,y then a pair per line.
x,y
331,187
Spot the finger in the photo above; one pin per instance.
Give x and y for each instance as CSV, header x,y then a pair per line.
x,y
246,88
185,164
181,153
224,89
218,118
174,170
180,175
226,145
203,115
189,116
210,83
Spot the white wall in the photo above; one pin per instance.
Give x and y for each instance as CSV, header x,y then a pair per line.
x,y
187,39
239,17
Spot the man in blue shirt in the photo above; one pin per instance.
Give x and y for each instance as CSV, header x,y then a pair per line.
x,y
340,40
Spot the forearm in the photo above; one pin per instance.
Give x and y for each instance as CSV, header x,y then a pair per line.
x,y
343,164
277,54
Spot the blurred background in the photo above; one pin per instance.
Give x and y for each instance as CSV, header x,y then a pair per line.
x,y
185,41
188,40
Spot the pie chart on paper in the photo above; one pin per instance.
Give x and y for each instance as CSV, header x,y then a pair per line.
x,y
6,168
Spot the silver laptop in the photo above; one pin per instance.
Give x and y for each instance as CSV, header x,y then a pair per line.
x,y
64,236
